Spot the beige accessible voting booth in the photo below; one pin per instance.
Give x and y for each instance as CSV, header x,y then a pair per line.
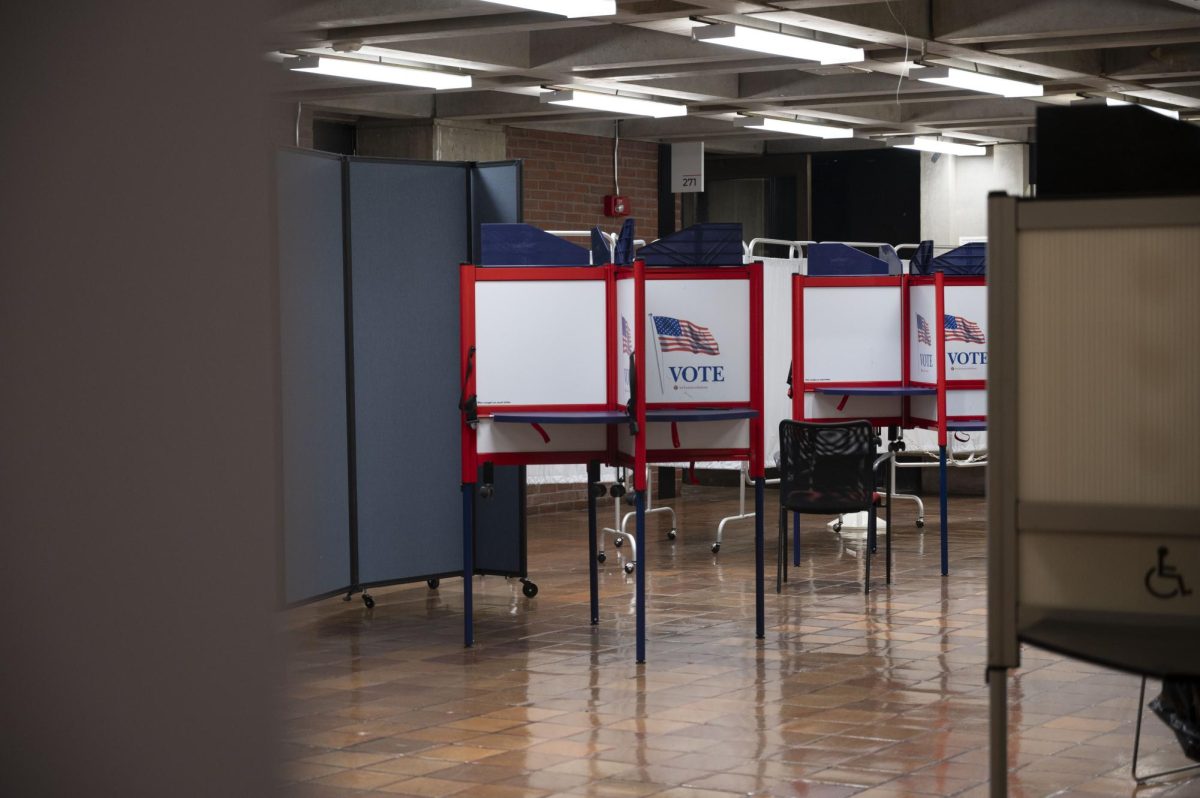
x,y
1094,413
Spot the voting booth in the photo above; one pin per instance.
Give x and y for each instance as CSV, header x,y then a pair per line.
x,y
614,365
1093,507
900,351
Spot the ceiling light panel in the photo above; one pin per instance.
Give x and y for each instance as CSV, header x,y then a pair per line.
x,y
931,144
796,128
977,81
377,72
564,8
614,103
765,41
1167,112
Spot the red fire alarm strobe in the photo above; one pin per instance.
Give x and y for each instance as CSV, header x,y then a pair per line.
x,y
616,205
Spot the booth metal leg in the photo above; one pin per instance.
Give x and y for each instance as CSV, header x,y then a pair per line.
x,y
942,492
468,491
760,624
869,550
998,732
640,588
593,566
909,497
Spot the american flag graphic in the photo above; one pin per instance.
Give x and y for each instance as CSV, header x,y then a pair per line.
x,y
680,335
626,338
960,329
923,335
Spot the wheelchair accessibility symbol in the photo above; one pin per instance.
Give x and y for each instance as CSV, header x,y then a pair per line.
x,y
1163,581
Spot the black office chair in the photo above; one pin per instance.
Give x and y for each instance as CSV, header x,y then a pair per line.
x,y
829,469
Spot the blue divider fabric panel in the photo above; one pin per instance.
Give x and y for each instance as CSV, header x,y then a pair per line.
x,y
500,520
709,244
495,198
408,233
827,260
316,492
922,258
600,252
623,254
525,245
967,259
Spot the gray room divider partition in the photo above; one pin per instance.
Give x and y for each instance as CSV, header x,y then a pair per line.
x,y
371,423
316,499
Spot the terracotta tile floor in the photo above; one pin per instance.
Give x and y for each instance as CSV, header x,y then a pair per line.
x,y
874,697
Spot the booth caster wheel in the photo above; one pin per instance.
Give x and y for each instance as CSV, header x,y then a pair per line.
x,y
434,584
671,535
601,557
618,541
716,547
370,602
528,588
837,526
920,522
629,566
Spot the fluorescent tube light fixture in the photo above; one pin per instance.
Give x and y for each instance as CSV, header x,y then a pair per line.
x,y
614,103
564,8
378,72
1167,112
765,41
931,144
977,81
795,128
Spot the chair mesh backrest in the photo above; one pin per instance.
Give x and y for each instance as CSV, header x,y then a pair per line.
x,y
826,468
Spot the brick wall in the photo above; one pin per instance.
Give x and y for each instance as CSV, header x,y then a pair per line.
x,y
567,176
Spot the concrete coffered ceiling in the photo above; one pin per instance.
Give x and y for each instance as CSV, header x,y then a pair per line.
x,y
1078,50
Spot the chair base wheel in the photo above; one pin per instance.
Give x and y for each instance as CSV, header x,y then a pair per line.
x,y
370,602
529,588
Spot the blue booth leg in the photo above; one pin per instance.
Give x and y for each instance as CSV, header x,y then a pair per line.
x,y
592,552
468,491
640,589
944,510
760,622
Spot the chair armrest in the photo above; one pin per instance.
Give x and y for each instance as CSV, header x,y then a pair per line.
x,y
881,459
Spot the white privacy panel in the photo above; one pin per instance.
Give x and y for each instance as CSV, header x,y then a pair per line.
x,y
733,434
777,345
922,334
852,334
698,341
626,336
540,342
966,332
824,407
494,437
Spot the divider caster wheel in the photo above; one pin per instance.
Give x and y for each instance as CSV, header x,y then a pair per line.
x,y
618,541
370,602
716,547
671,534
629,566
601,557
529,588
433,583
920,522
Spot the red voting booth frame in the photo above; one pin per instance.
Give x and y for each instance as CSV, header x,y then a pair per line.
x,y
613,413
904,388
